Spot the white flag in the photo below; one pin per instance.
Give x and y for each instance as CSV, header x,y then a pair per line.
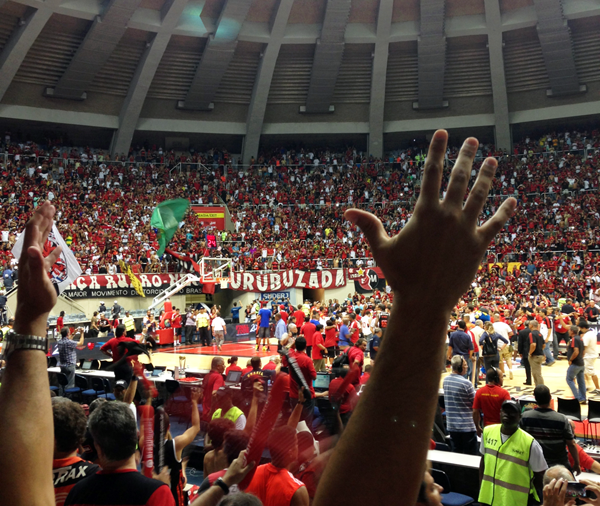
x,y
65,270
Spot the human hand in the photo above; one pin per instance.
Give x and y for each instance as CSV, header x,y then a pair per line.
x,y
421,259
164,475
237,470
554,493
36,294
577,469
594,487
195,394
257,388
301,398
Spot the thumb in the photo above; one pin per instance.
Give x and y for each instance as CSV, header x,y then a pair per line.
x,y
370,225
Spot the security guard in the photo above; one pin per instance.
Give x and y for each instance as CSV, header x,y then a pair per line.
x,y
129,323
228,410
512,467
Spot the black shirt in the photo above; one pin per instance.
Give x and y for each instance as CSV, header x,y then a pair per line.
x,y
591,314
576,343
122,488
536,337
523,342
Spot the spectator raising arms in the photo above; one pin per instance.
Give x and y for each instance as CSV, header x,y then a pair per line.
x,y
429,264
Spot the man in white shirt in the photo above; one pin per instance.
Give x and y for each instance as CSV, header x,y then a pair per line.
x,y
590,353
219,328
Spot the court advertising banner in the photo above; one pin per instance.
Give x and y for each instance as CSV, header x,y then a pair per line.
x,y
275,296
119,285
280,280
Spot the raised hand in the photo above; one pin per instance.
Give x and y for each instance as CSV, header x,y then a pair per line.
x,y
437,253
36,294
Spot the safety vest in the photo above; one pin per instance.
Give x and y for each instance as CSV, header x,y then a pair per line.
x,y
233,414
129,323
507,477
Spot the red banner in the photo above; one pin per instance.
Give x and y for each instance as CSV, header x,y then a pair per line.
x,y
210,216
280,280
367,279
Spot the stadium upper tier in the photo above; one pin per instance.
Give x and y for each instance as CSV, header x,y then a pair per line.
x,y
291,216
239,72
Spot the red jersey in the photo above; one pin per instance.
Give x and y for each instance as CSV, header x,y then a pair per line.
x,y
66,473
585,461
364,378
271,366
232,367
273,486
317,353
113,346
354,354
347,397
489,399
331,338
284,316
308,371
299,318
211,383
308,329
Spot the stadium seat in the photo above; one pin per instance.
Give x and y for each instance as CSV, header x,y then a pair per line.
x,y
449,498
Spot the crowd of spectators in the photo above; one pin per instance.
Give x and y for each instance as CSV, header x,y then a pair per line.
x,y
428,270
287,207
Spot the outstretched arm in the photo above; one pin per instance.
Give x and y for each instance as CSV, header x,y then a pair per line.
x,y
27,440
429,265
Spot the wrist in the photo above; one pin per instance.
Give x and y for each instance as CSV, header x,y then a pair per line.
x,y
26,323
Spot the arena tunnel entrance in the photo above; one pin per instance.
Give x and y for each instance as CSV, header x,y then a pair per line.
x,y
313,294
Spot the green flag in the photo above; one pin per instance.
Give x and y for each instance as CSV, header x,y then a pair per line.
x,y
166,217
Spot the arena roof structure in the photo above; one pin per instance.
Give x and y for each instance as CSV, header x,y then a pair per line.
x,y
253,68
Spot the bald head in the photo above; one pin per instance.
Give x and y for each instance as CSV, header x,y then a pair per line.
x,y
217,363
557,472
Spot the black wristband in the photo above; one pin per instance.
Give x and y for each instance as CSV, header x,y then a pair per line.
x,y
220,483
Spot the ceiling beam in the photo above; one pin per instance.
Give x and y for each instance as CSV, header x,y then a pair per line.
x,y
20,41
216,57
432,56
97,46
329,52
557,48
144,74
378,78
262,83
493,18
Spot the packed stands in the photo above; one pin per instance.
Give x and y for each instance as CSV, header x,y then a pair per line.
x,y
286,209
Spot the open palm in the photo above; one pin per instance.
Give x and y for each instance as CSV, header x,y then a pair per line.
x,y
36,293
436,255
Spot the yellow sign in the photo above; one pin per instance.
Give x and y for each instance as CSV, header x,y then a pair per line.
x,y
210,215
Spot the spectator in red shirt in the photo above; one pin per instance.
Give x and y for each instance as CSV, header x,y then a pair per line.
x,y
319,351
211,383
489,399
232,361
272,483
60,322
69,430
366,375
113,350
308,371
347,399
587,463
356,355
331,339
307,330
115,436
